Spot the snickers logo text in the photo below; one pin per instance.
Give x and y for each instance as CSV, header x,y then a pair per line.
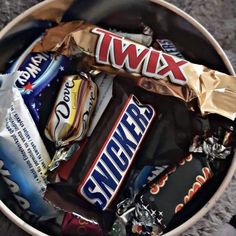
x,y
112,49
114,159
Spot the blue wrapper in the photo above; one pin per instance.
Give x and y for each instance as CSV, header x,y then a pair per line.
x,y
40,78
23,156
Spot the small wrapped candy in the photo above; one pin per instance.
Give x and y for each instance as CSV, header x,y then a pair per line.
x,y
70,117
212,145
167,46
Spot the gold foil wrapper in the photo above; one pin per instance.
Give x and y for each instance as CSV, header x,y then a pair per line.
x,y
164,87
111,53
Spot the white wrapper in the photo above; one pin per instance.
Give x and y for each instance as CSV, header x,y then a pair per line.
x,y
23,156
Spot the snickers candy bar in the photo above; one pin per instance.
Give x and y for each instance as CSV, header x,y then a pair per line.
x,y
105,161
70,118
104,178
167,46
109,52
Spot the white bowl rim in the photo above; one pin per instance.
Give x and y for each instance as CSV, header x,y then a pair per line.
x,y
33,231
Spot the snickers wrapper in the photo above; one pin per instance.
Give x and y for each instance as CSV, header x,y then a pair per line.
x,y
130,134
109,52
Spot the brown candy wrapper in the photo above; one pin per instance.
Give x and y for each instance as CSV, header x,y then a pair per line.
x,y
167,88
109,52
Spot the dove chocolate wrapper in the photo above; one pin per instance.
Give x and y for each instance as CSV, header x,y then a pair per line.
x,y
70,118
109,52
23,156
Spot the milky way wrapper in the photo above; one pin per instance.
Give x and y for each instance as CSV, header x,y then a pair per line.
x,y
70,117
23,156
40,73
109,52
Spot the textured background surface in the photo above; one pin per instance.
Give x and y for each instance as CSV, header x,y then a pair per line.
x,y
219,17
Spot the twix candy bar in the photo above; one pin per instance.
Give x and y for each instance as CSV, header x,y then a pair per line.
x,y
109,52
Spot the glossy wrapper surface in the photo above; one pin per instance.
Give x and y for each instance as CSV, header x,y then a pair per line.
x,y
24,164
40,72
69,120
75,225
157,203
90,180
112,53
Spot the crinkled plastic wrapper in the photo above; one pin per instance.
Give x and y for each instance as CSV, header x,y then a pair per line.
x,y
23,156
70,117
109,52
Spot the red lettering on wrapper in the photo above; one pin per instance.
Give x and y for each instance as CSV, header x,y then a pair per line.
x,y
114,50
104,44
150,67
128,56
173,69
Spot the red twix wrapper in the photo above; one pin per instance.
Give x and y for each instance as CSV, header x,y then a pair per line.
x,y
109,52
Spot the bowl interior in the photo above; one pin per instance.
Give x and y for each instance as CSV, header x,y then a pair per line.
x,y
166,25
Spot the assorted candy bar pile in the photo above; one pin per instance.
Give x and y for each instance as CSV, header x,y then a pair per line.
x,y
111,133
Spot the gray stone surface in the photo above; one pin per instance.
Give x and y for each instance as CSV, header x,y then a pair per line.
x,y
219,17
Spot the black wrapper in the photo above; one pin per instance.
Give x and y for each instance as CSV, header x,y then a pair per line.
x,y
168,193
